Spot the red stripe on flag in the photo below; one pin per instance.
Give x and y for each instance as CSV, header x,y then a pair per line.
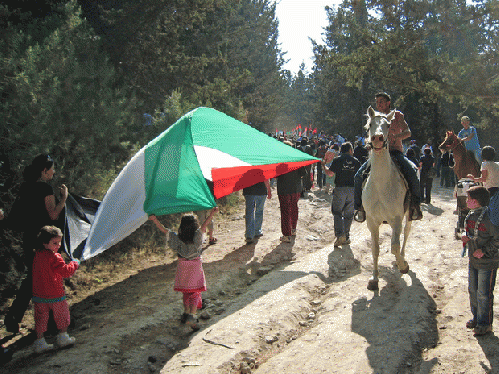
x,y
228,180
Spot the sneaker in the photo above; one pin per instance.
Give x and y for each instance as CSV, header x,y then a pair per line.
x,y
192,322
285,239
293,232
340,240
64,340
416,213
260,234
347,242
40,346
359,215
183,318
249,240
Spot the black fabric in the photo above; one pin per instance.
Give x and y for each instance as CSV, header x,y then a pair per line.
x,y
79,216
417,151
291,182
257,189
344,167
28,213
427,162
447,160
361,153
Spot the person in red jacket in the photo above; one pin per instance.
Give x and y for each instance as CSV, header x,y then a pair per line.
x,y
49,270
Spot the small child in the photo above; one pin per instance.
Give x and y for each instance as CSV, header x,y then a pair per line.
x,y
489,170
189,278
482,242
49,270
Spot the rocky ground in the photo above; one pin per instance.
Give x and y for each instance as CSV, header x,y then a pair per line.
x,y
300,307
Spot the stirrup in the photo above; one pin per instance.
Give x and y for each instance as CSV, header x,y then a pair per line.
x,y
359,215
415,213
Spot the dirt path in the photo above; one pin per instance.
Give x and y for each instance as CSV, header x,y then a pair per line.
x,y
301,307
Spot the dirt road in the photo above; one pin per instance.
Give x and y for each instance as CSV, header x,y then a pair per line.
x,y
300,307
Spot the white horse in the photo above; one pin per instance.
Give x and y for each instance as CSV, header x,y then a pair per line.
x,y
384,193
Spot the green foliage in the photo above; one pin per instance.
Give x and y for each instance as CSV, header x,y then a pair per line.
x,y
434,58
60,99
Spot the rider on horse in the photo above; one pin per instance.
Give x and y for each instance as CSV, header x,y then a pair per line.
x,y
399,130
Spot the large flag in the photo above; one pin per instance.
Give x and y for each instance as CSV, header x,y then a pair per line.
x,y
172,173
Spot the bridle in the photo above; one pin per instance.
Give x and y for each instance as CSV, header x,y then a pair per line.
x,y
385,139
450,143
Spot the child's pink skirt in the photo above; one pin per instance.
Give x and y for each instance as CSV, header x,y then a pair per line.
x,y
190,276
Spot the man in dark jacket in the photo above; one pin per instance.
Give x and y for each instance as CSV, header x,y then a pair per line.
x,y
344,168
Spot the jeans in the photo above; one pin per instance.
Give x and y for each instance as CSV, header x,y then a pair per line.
x,y
342,209
254,215
481,289
408,169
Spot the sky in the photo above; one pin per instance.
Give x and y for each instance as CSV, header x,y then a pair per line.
x,y
299,20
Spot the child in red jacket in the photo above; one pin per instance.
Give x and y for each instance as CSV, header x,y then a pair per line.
x,y
49,270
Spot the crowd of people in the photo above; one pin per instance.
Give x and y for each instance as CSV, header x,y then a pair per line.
x,y
341,171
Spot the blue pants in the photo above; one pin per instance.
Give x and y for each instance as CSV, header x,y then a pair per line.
x,y
408,169
254,215
481,288
342,209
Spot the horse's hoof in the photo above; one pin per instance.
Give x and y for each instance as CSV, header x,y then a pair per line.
x,y
406,270
372,285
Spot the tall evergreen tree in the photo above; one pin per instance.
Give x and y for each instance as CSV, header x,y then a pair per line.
x,y
58,98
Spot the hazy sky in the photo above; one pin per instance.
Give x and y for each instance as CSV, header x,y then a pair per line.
x,y
299,20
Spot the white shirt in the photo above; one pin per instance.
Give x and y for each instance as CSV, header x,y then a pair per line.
x,y
492,173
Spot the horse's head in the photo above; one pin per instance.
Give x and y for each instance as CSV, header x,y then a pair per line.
x,y
450,142
377,127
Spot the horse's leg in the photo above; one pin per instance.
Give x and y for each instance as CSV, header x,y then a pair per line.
x,y
407,230
372,285
399,255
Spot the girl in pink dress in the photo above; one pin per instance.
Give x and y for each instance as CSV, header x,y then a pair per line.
x,y
189,279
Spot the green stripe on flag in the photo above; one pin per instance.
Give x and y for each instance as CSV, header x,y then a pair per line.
x,y
173,179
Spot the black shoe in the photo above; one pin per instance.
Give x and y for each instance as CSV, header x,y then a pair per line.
x,y
183,318
359,215
415,213
192,322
